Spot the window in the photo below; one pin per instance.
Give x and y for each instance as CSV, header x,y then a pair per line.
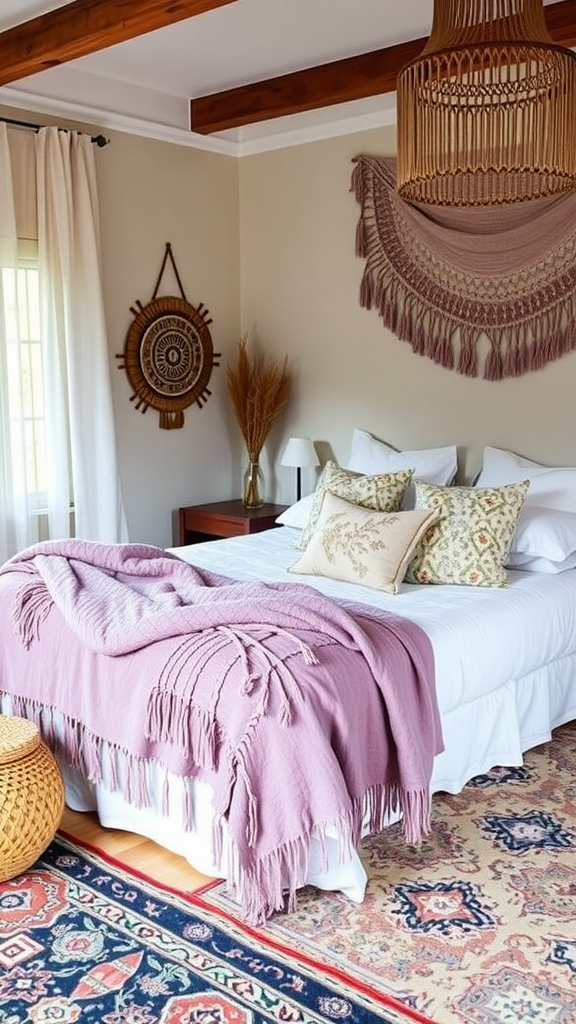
x,y
21,310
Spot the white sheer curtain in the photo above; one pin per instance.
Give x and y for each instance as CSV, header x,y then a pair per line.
x,y
80,452
14,515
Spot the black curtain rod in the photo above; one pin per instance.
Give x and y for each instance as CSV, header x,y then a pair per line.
x,y
99,140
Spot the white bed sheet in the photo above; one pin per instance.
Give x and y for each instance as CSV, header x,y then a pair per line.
x,y
505,674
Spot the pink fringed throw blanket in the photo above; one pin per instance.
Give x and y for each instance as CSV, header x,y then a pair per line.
x,y
301,714
487,291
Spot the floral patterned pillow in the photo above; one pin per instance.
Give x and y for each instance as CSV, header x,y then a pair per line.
x,y
470,540
361,546
382,493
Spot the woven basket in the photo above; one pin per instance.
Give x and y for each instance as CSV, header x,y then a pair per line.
x,y
31,795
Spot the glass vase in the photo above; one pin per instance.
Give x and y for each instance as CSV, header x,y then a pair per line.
x,y
253,486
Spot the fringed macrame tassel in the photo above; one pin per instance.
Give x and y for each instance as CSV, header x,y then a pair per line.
x,y
366,292
360,246
441,351
494,368
468,358
419,341
541,354
517,359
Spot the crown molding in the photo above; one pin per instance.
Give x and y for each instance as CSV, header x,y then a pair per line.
x,y
299,130
102,120
296,130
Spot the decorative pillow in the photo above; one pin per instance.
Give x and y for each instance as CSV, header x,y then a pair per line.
x,y
360,546
433,465
298,514
470,541
382,493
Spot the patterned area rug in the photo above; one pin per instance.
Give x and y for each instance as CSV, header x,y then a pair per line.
x,y
83,939
479,925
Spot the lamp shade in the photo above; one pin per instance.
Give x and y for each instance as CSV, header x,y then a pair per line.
x,y
486,113
299,452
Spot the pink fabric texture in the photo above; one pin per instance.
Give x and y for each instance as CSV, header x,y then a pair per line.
x,y
445,280
301,713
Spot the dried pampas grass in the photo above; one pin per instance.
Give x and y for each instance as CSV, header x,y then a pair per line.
x,y
259,388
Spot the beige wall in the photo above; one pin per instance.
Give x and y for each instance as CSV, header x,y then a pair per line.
x,y
267,243
152,193
299,285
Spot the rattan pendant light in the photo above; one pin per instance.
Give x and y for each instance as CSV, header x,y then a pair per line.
x,y
487,113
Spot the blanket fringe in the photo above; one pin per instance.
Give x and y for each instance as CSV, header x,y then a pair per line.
x,y
101,762
29,610
193,729
172,714
415,815
260,888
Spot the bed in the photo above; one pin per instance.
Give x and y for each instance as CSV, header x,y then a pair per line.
x,y
504,661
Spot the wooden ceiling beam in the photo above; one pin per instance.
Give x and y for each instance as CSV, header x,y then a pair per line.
x,y
354,78
85,26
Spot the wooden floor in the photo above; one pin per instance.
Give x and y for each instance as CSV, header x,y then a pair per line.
x,y
134,851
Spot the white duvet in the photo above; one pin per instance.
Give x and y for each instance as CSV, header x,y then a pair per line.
x,y
505,657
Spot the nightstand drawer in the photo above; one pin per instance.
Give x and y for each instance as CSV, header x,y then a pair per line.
x,y
224,519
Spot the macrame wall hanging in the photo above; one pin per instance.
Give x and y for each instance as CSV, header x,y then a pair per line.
x,y
168,354
486,291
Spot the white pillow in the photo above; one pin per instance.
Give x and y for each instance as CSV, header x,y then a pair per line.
x,y
364,546
527,564
298,514
432,465
544,533
545,539
550,487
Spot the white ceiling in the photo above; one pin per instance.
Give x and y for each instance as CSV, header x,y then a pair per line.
x,y
145,85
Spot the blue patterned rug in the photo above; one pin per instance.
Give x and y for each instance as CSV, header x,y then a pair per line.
x,y
84,939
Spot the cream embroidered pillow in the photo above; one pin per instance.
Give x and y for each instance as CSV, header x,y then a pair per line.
x,y
361,546
383,492
470,540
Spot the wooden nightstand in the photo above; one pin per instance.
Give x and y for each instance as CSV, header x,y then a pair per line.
x,y
224,519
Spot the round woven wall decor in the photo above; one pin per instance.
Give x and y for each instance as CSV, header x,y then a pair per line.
x,y
168,355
